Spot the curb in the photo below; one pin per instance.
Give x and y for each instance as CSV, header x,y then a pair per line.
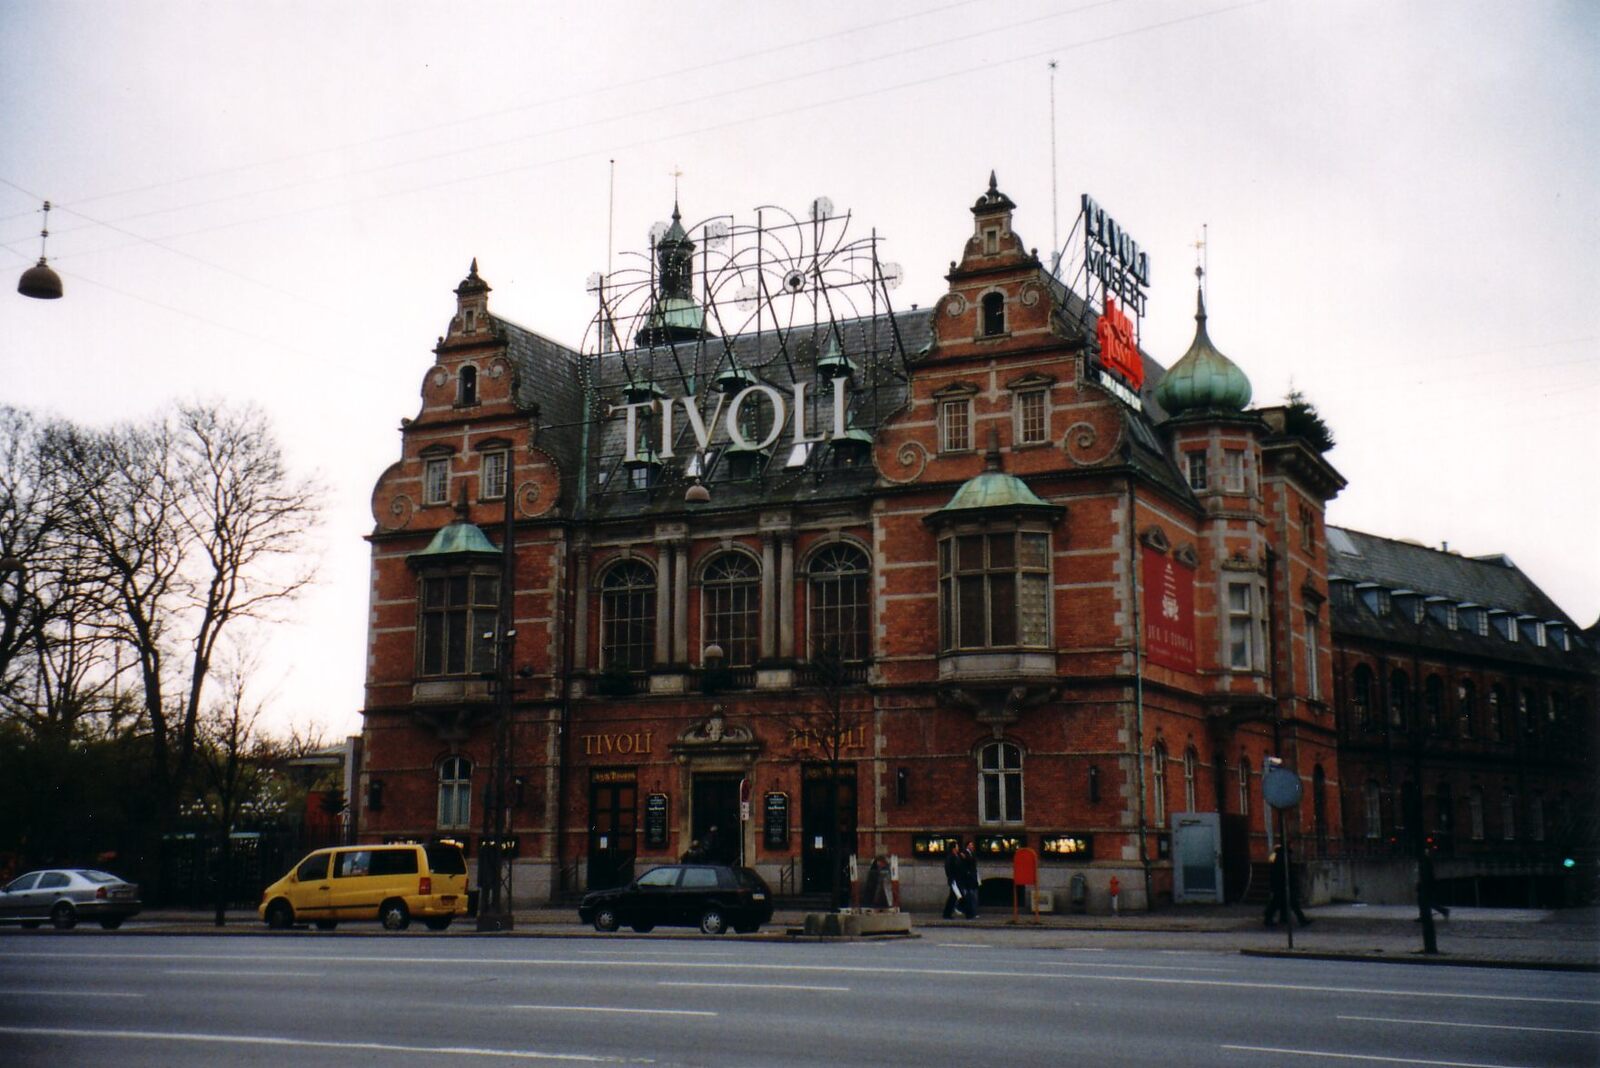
x,y
1415,957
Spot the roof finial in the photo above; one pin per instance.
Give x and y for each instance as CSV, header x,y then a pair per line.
x,y
994,186
473,272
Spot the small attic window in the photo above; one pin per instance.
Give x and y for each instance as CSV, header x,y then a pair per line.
x,y
469,320
467,386
994,314
991,240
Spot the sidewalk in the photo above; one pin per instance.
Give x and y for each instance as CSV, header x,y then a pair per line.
x,y
1564,939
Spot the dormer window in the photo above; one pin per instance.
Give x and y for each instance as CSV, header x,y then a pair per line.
x,y
994,314
467,386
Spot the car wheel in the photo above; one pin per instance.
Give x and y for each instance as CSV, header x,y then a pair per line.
x,y
327,925
394,915
643,928
111,923
280,916
605,918
439,923
64,916
712,922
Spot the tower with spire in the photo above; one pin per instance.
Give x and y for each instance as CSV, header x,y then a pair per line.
x,y
676,316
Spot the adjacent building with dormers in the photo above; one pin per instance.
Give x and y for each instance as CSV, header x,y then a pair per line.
x,y
797,575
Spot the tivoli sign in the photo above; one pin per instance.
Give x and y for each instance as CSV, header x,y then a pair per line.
x,y
736,416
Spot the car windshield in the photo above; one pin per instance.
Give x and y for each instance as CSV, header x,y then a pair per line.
x,y
98,876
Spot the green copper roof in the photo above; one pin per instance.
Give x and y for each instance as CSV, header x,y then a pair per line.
x,y
993,490
678,313
457,539
1203,377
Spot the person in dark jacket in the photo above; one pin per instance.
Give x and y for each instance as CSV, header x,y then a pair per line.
x,y
953,870
969,880
1283,896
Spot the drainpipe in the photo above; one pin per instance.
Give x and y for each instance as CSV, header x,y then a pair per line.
x,y
1138,692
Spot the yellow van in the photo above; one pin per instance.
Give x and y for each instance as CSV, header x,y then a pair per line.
x,y
388,883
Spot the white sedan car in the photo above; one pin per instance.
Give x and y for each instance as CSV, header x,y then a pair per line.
x,y
65,895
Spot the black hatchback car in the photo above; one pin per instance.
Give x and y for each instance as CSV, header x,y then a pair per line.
x,y
712,897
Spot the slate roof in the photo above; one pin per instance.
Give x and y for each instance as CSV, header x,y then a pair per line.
x,y
549,384
1491,582
879,347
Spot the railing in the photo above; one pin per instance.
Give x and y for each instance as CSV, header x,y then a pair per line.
x,y
786,878
847,674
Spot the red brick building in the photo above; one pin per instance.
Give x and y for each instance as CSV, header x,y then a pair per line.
x,y
1039,595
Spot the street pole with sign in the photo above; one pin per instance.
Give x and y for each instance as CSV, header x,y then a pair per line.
x,y
1281,788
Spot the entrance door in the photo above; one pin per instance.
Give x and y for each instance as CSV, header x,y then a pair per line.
x,y
819,857
714,816
1196,857
611,834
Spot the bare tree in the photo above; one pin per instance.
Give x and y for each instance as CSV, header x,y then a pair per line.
x,y
191,522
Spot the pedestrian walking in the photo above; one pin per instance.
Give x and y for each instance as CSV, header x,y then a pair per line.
x,y
954,869
969,880
1283,896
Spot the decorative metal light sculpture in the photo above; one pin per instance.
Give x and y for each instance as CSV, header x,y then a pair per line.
x,y
39,281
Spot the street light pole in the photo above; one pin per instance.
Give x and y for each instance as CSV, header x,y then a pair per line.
x,y
496,845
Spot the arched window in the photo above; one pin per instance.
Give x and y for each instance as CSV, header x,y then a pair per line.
x,y
994,314
467,386
455,793
1475,812
1244,786
1373,798
1527,724
1158,784
1361,698
1445,808
1319,807
1399,684
1466,708
1497,716
1190,760
627,616
1433,704
730,608
1000,783
840,610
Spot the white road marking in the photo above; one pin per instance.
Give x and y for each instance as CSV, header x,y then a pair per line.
x,y
605,1008
1453,1023
962,945
343,1044
754,986
1366,1057
251,973
66,994
849,969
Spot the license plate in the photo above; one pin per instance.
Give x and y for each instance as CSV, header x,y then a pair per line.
x,y
758,897
448,899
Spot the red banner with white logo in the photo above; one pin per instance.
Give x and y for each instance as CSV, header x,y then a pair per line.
x,y
1168,610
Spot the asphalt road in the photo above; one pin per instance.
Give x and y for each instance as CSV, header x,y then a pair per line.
x,y
948,999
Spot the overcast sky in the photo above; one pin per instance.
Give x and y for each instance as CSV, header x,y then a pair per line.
x,y
273,201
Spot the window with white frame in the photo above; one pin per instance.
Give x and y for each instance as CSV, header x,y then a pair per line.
x,y
1233,469
730,590
627,616
1241,626
1190,760
436,481
1000,783
1195,468
1373,796
994,314
1158,784
492,475
455,794
1313,641
1244,786
840,608
1033,417
955,425
994,590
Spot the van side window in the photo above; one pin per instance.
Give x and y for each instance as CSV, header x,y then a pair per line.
x,y
394,862
352,863
313,868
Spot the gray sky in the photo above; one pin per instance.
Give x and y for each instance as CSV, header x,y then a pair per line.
x,y
273,202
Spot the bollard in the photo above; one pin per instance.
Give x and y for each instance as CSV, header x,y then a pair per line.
x,y
1116,888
